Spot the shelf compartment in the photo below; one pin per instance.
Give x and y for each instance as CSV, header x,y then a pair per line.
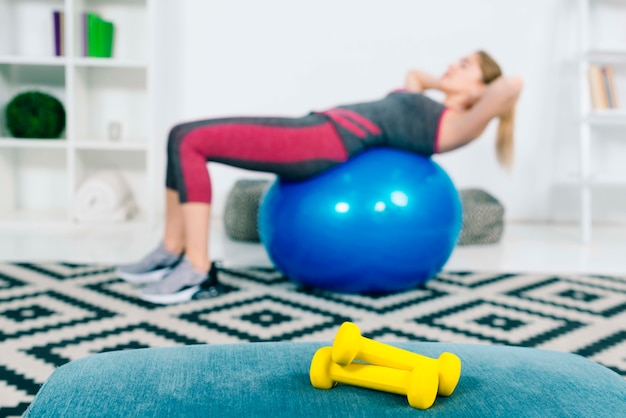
x,y
34,184
132,166
614,116
18,78
606,24
604,159
131,26
26,27
106,96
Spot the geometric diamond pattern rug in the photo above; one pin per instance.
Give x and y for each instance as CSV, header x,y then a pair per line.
x,y
51,314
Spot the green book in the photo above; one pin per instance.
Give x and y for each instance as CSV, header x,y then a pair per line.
x,y
107,30
92,34
100,35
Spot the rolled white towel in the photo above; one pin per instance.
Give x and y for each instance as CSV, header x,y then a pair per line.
x,y
104,197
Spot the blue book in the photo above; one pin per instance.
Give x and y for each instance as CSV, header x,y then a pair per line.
x,y
607,88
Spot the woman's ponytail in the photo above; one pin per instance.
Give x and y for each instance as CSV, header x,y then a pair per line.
x,y
504,140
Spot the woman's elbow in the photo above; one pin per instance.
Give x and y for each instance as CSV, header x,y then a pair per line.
x,y
516,84
412,82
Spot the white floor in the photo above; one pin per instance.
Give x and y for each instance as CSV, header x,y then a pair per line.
x,y
541,248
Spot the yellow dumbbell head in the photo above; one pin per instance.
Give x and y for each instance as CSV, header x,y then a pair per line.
x,y
319,372
423,384
449,373
347,343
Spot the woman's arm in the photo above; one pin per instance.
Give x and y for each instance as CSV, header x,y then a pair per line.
x,y
417,81
496,99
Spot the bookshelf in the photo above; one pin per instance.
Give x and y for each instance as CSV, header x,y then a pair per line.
x,y
602,43
39,178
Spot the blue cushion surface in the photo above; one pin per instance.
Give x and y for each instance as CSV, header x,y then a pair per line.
x,y
271,379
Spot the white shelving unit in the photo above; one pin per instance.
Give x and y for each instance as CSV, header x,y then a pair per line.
x,y
598,44
39,178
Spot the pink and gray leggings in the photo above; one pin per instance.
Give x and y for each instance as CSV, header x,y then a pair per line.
x,y
293,148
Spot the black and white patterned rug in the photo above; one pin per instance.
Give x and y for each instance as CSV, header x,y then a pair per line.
x,y
54,313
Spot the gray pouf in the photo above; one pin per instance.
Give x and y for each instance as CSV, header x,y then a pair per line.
x,y
483,218
242,208
483,215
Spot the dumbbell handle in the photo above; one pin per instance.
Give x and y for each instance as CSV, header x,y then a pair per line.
x,y
349,343
372,377
389,356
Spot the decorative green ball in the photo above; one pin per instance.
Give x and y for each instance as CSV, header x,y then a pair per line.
x,y
34,114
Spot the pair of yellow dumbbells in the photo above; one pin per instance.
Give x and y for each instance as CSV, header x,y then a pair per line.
x,y
384,367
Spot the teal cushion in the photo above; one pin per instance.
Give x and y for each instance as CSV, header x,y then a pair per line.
x,y
271,379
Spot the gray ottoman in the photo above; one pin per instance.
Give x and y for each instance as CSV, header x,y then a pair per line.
x,y
483,214
483,218
241,209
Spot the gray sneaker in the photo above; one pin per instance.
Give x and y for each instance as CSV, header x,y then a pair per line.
x,y
152,268
182,284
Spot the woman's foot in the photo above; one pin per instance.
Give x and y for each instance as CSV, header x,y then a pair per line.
x,y
152,268
182,284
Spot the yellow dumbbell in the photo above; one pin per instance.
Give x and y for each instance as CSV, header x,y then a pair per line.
x,y
349,345
419,385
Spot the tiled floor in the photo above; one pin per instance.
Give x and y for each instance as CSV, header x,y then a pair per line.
x,y
524,248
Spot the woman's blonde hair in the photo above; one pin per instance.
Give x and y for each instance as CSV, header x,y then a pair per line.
x,y
504,142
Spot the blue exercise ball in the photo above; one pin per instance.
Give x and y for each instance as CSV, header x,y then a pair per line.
x,y
384,221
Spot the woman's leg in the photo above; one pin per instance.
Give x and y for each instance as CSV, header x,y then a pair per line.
x,y
187,229
161,260
294,148
196,219
174,235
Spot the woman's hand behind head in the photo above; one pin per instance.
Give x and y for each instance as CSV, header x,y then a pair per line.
x,y
472,97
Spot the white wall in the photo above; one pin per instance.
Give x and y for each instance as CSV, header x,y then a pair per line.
x,y
281,57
